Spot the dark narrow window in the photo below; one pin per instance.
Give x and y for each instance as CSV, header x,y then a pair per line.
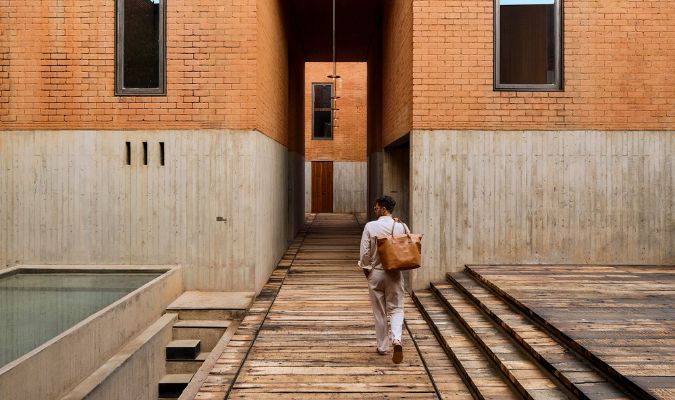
x,y
140,63
528,45
161,153
145,153
322,113
128,148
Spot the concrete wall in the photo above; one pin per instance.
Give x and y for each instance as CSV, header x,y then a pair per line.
x,y
542,197
296,193
296,128
68,197
308,186
396,179
60,364
350,186
267,208
375,180
135,371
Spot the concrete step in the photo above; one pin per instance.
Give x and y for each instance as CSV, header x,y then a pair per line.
x,y
573,371
478,372
202,323
531,381
196,305
186,366
182,349
207,331
172,385
210,314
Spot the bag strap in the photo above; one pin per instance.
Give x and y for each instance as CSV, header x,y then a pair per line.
x,y
405,227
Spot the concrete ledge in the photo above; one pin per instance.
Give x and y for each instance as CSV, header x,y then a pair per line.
x,y
134,371
55,367
195,300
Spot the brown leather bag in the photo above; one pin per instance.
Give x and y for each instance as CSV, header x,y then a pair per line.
x,y
400,252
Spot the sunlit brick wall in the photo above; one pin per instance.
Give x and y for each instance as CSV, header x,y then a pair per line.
x,y
619,73
57,67
349,138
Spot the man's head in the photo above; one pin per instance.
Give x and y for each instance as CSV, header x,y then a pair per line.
x,y
384,206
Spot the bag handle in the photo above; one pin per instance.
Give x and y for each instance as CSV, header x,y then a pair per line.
x,y
405,228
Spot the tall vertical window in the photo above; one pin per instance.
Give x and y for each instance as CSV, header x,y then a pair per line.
x,y
140,63
528,45
322,113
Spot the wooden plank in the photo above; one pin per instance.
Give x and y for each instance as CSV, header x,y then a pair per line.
x,y
322,186
620,317
318,337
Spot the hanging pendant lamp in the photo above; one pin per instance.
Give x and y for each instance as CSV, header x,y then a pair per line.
x,y
334,77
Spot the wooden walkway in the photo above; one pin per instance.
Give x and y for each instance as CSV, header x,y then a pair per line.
x,y
490,332
621,317
317,339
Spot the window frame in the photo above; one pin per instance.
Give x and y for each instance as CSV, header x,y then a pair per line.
x,y
558,85
120,90
332,116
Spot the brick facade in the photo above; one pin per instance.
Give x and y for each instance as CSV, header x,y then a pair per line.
x,y
227,68
57,67
272,79
397,66
618,69
349,138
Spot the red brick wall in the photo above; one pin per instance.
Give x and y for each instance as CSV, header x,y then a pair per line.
x,y
57,67
618,69
272,72
397,77
349,138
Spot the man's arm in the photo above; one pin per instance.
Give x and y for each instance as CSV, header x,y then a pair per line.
x,y
364,252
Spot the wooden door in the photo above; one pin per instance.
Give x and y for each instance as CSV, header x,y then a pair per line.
x,y
322,186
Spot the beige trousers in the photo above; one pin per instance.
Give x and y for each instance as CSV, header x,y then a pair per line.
x,y
386,295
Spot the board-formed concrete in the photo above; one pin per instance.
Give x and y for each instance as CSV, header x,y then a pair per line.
x,y
485,197
72,197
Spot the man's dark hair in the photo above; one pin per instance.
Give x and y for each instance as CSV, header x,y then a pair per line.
x,y
386,202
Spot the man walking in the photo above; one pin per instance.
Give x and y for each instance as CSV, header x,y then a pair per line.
x,y
385,287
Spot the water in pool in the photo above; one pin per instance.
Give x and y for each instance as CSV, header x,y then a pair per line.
x,y
36,307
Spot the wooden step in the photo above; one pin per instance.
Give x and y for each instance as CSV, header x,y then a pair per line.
x,y
569,367
441,368
479,374
186,366
519,367
172,385
182,349
614,315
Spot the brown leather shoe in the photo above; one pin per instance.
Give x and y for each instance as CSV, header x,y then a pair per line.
x,y
398,354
